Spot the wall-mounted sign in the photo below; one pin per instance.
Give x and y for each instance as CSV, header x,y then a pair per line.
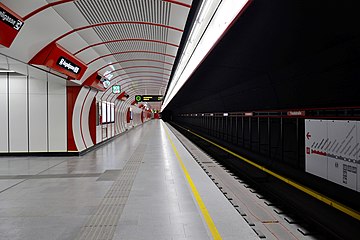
x,y
59,59
148,98
10,25
296,113
116,89
94,81
106,83
69,66
332,151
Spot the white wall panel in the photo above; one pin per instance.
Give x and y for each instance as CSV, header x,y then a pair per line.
x,y
98,134
3,113
18,113
57,115
38,115
109,131
18,67
113,129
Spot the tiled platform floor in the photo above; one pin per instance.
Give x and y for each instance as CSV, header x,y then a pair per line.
x,y
55,197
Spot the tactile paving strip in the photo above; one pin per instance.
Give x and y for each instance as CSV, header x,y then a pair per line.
x,y
103,223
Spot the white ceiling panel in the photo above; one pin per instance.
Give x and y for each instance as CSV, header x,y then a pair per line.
x,y
36,33
22,7
177,16
73,42
71,14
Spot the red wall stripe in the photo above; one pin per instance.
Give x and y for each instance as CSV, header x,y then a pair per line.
x,y
72,94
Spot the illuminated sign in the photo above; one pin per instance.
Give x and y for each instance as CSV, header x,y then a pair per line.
x,y
69,66
10,25
116,89
59,59
108,75
106,83
296,113
10,19
148,98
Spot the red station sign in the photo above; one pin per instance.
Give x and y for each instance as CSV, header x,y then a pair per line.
x,y
296,113
10,25
59,59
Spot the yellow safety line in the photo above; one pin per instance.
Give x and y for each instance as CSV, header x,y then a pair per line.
x,y
210,223
345,209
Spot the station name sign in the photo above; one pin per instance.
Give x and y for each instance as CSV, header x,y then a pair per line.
x,y
149,98
10,19
59,59
296,113
69,66
10,25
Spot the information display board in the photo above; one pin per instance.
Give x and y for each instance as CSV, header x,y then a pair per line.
x,y
332,150
148,98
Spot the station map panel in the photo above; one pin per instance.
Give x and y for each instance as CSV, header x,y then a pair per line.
x,y
332,150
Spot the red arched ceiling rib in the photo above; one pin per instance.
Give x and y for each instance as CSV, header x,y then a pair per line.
x,y
126,40
66,1
127,84
130,73
134,60
117,70
124,85
116,23
131,91
118,53
147,76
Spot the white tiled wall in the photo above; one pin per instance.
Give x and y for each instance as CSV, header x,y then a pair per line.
x,y
32,113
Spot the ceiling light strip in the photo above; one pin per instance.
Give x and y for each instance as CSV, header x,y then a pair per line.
x,y
226,14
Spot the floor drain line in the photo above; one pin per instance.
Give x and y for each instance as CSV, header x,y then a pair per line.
x,y
103,223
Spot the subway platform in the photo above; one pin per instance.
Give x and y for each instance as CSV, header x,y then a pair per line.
x,y
142,185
